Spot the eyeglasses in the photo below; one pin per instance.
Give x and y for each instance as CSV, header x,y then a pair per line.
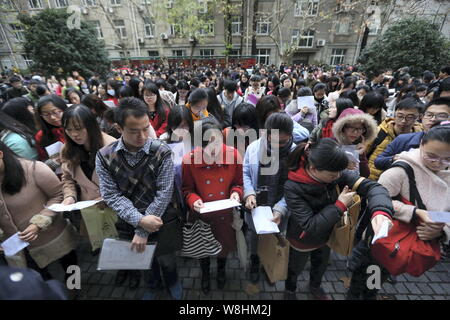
x,y
445,162
149,95
357,130
55,114
409,118
438,116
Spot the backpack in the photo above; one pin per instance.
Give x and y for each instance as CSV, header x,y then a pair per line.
x,y
402,251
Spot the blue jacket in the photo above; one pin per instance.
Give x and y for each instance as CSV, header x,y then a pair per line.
x,y
403,142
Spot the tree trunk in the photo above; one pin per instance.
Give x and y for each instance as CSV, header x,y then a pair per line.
x,y
228,31
242,29
255,22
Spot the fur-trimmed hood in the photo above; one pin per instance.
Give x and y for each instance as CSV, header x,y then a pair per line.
x,y
356,118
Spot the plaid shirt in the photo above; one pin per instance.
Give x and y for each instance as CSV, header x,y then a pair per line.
x,y
123,206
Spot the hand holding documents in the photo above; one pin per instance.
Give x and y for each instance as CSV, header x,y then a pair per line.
x,y
383,233
117,255
219,205
54,148
58,207
306,101
13,245
262,219
439,217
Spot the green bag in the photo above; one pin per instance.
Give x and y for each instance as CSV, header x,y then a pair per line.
x,y
100,224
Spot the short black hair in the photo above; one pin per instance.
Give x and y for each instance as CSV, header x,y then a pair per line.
x,y
445,69
14,79
439,101
230,85
279,121
408,104
130,107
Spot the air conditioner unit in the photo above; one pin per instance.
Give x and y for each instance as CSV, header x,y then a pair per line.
x,y
321,43
141,8
141,40
110,10
84,10
164,36
169,4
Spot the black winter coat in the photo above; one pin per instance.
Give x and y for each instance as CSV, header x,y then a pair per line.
x,y
313,211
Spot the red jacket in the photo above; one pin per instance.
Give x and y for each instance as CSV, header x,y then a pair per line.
x,y
211,182
159,129
58,133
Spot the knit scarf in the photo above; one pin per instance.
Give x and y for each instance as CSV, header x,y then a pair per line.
x,y
271,186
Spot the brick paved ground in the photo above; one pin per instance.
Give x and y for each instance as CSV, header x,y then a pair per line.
x,y
433,285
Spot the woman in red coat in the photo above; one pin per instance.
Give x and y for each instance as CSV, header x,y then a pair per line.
x,y
213,172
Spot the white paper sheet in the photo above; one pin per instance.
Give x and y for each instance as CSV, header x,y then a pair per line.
x,y
383,233
219,205
110,104
440,217
262,217
58,207
54,148
117,255
13,244
306,101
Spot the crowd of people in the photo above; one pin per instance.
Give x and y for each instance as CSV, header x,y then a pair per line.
x,y
261,143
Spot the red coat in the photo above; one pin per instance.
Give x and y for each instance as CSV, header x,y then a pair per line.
x,y
211,182
159,129
57,132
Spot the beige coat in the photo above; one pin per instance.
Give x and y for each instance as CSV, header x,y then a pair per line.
x,y
89,186
434,188
57,236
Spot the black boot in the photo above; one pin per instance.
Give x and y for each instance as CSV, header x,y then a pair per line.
x,y
206,279
254,268
135,279
221,275
121,276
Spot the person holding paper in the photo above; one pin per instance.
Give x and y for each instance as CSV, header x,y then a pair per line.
x,y
255,92
320,100
306,110
213,171
27,188
352,130
83,139
265,172
136,180
315,207
50,110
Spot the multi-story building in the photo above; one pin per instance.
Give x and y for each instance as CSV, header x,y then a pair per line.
x,y
303,31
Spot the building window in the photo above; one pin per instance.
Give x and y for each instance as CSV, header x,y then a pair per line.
x,y
235,53
313,7
236,25
28,61
35,4
206,53
307,39
149,29
146,2
61,3
295,37
89,3
119,25
178,53
2,38
116,3
337,56
263,27
98,29
374,26
17,31
208,30
6,4
153,53
343,27
203,6
175,29
310,6
263,56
